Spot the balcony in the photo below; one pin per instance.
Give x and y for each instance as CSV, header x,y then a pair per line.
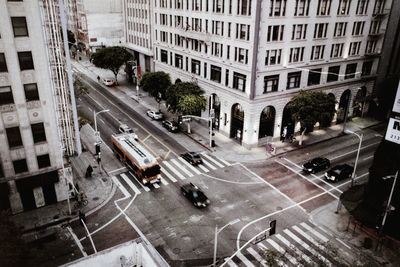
x,y
196,35
33,104
7,108
380,13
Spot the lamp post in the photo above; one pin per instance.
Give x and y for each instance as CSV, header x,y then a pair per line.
x,y
217,231
360,137
96,133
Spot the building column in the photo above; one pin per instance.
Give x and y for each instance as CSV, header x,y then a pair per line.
x,y
62,187
15,198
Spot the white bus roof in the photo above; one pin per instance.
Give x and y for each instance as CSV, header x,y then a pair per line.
x,y
127,142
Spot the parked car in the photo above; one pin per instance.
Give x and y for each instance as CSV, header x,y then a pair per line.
x,y
192,157
123,128
339,172
316,165
108,82
171,126
155,115
195,195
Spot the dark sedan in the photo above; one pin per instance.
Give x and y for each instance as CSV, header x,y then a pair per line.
x,y
195,195
171,126
339,172
316,165
192,157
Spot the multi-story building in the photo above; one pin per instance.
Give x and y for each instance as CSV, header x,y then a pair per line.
x,y
36,126
251,57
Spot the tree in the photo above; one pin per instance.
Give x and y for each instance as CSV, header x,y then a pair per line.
x,y
111,58
156,83
191,104
177,91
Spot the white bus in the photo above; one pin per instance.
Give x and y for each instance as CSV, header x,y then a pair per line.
x,y
144,165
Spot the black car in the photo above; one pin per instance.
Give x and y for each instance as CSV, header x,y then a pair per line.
x,y
171,126
193,158
195,195
339,172
316,165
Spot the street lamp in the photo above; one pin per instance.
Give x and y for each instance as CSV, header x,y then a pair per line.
x,y
217,231
360,137
96,133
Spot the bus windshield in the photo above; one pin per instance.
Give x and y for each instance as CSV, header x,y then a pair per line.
x,y
151,171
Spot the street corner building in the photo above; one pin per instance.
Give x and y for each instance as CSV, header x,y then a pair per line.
x,y
36,125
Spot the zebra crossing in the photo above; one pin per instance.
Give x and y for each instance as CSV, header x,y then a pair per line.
x,y
172,171
304,244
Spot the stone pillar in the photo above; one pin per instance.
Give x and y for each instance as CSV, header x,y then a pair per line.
x,y
15,198
39,197
62,187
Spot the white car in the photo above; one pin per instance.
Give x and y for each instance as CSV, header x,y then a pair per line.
x,y
123,128
108,82
155,115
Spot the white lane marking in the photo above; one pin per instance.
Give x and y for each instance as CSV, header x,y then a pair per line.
x,y
116,170
232,263
189,165
144,187
174,170
282,251
306,246
213,160
256,256
90,109
168,175
295,164
316,233
264,248
308,237
120,186
245,260
201,166
353,151
208,164
102,121
188,173
368,157
224,161
294,248
156,185
230,182
163,181
344,244
78,243
129,182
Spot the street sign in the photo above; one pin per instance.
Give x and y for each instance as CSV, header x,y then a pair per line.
x,y
260,238
212,113
393,131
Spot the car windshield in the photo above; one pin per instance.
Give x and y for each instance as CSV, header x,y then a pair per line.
x,y
336,171
199,195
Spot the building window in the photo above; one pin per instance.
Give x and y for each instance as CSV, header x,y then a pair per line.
x,y
320,30
164,56
273,57
340,29
243,32
277,8
317,52
43,161
215,74
333,74
31,92
241,55
358,28
271,83
362,7
354,49
195,66
371,47
350,71
375,27
243,7
299,32
178,61
314,77
20,166
324,7
216,49
275,33
38,132
14,137
25,60
19,26
379,7
344,7
293,80
366,68
296,54
239,81
6,96
3,63
302,7
337,50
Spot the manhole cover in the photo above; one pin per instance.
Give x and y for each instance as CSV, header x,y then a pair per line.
x,y
278,208
176,250
95,198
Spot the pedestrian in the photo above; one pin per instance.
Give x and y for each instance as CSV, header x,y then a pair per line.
x,y
89,171
82,217
77,187
284,134
98,78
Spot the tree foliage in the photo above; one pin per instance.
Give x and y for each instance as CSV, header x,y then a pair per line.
x,y
308,108
191,104
111,58
156,82
176,93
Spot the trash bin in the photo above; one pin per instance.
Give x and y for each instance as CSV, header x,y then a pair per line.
x,y
212,143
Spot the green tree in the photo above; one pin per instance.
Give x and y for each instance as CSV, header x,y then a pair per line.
x,y
191,104
177,91
111,58
155,83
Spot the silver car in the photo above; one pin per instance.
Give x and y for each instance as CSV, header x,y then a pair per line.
x,y
155,115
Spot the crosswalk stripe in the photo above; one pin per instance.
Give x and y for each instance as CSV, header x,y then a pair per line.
x,y
224,162
168,175
201,166
163,181
156,185
120,186
282,251
293,247
129,182
263,247
245,260
316,233
232,263
213,160
174,170
189,165
306,246
256,256
208,164
181,167
309,238
143,186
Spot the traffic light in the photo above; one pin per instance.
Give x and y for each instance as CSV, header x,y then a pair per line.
x,y
180,119
97,146
272,225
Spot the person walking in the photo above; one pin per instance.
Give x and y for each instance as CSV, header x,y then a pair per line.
x,y
98,78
